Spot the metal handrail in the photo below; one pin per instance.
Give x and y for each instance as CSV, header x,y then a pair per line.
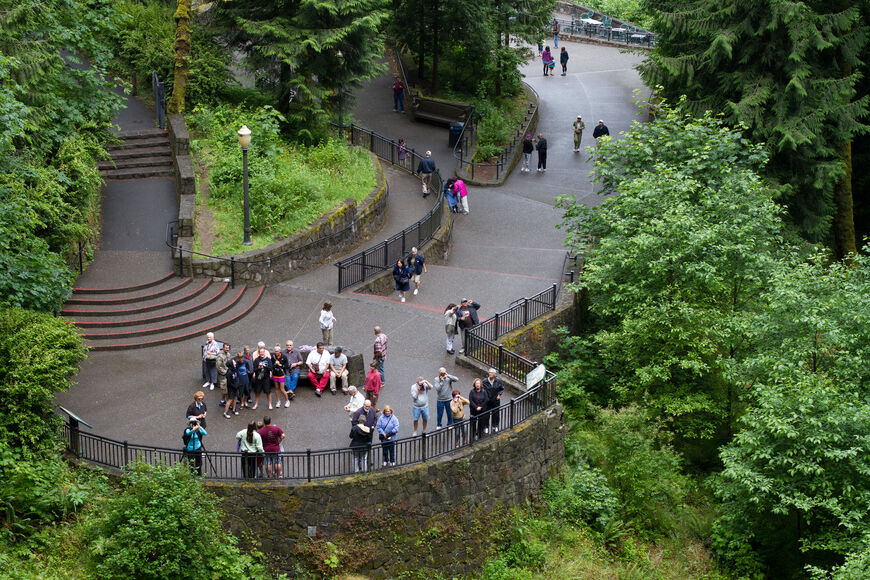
x,y
311,464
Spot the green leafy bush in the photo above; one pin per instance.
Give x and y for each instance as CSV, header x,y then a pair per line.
x,y
164,524
40,355
144,35
42,490
581,495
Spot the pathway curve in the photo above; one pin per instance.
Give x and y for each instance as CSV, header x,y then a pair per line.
x,y
506,248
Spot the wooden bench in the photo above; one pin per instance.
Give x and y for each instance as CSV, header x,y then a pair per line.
x,y
437,111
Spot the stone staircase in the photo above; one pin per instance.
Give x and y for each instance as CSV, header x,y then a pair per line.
x,y
168,309
140,154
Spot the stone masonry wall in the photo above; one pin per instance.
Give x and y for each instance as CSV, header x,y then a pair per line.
x,y
329,236
478,482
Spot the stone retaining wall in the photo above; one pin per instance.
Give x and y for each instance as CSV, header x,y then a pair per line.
x,y
185,184
321,242
460,492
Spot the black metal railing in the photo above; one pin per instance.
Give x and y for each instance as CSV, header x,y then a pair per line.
x,y
310,464
463,151
375,259
606,28
300,251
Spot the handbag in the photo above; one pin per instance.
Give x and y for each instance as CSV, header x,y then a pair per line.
x,y
404,279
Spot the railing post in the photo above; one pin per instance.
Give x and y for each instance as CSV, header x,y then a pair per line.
x,y
340,273
500,357
525,311
404,247
386,251
423,447
496,334
74,434
80,258
393,152
571,276
308,464
180,261
512,417
553,305
232,272
126,454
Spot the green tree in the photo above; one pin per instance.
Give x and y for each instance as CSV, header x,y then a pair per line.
x,y
794,490
164,524
787,70
674,261
41,355
310,52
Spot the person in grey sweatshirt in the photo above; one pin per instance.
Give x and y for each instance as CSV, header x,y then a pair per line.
x,y
420,396
444,390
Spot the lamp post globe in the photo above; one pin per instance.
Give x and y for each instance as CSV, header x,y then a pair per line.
x,y
245,142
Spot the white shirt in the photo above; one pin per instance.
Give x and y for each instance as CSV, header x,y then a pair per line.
x,y
326,319
320,361
356,401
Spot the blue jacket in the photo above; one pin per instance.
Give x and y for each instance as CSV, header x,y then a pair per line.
x,y
388,427
195,441
426,165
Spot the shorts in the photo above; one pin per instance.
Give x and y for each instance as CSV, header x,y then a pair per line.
x,y
421,412
416,278
271,458
278,380
232,391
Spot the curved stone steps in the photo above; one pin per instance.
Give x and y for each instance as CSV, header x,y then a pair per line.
x,y
190,330
106,310
126,298
109,319
121,289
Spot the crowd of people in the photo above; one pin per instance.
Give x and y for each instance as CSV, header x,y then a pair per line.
x,y
244,375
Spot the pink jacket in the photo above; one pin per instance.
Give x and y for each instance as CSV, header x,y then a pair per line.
x,y
459,187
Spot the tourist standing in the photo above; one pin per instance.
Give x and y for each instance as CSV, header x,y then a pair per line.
x,y
542,153
403,154
272,435
210,352
232,377
369,413
327,323
243,371
578,126
193,448
380,352
388,432
420,397
450,195
457,409
360,443
250,444
601,130
197,410
426,168
479,401
563,60
372,385
262,364
398,95
556,33
417,263
221,365
494,389
466,317
547,59
444,393
356,401
279,369
450,326
528,148
402,276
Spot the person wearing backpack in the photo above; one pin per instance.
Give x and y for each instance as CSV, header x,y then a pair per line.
x,y
192,438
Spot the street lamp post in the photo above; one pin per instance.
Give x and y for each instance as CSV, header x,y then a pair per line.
x,y
245,142
341,96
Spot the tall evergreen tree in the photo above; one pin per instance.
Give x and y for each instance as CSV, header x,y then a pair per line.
x,y
309,51
788,71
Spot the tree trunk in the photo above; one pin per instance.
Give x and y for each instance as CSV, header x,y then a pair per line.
x,y
435,46
181,67
844,220
498,63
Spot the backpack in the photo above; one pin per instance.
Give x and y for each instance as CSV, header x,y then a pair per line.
x,y
185,436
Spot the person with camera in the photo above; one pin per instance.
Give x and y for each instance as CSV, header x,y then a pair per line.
x,y
251,446
193,448
262,374
420,396
443,391
457,409
466,317
388,432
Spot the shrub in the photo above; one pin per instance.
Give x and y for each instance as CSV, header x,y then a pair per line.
x,y
164,524
581,495
40,355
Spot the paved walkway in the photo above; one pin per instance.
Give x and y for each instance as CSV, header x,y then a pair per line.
x,y
506,248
